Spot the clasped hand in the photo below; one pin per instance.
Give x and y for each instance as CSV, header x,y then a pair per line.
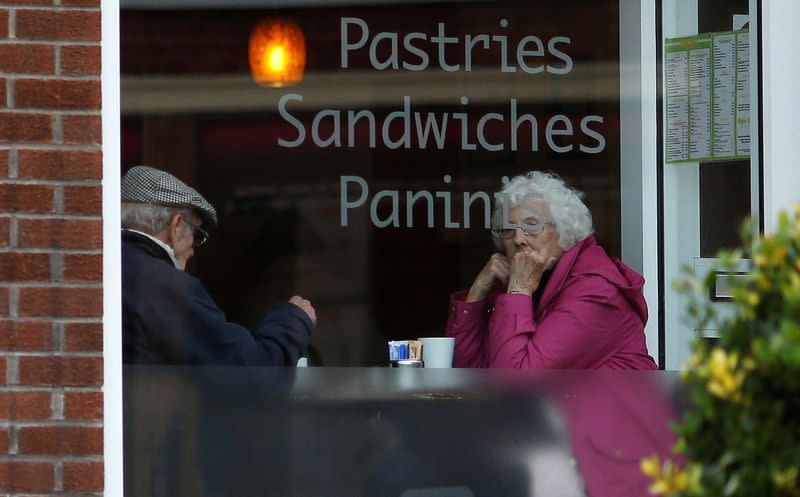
x,y
519,273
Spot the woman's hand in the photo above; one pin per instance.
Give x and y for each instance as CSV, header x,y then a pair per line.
x,y
526,270
495,271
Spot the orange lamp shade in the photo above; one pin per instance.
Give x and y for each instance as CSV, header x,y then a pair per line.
x,y
277,53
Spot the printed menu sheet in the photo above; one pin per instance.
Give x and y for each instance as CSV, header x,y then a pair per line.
x,y
707,97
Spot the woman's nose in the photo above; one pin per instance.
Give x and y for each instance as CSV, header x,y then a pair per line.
x,y
519,236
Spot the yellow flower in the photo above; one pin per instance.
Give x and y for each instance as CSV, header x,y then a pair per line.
x,y
753,299
723,379
785,480
693,365
763,281
760,260
660,487
794,281
778,255
695,472
677,478
650,466
669,479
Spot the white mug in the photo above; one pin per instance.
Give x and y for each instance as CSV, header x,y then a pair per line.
x,y
437,352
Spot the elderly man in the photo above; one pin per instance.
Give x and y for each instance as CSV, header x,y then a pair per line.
x,y
167,315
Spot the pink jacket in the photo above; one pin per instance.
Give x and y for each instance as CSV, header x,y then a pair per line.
x,y
591,315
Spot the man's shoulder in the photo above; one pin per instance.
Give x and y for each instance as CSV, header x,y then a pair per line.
x,y
150,270
142,262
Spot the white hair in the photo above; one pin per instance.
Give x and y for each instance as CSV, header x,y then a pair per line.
x,y
147,218
571,217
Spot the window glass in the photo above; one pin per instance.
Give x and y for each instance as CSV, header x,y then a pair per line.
x,y
366,216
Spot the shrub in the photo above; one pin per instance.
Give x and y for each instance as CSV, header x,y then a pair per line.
x,y
740,437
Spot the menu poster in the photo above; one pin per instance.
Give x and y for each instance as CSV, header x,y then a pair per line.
x,y
742,94
700,101
677,111
724,94
707,97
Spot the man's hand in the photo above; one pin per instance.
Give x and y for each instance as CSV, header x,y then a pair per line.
x,y
526,270
494,272
306,306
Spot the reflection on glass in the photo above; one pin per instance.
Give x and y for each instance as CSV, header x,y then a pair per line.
x,y
410,116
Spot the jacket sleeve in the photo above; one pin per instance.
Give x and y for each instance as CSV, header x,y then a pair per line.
x,y
191,329
467,322
581,330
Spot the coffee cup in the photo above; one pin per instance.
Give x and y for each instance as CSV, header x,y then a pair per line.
x,y
437,352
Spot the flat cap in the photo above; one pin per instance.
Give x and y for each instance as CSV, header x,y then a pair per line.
x,y
146,185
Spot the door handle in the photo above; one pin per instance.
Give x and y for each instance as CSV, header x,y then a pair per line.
x,y
722,290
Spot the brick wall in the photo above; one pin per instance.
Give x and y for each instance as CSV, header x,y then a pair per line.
x,y
51,432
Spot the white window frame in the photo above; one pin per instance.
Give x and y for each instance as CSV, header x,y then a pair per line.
x,y
112,263
780,42
781,182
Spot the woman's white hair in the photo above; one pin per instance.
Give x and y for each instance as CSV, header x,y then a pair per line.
x,y
566,209
147,218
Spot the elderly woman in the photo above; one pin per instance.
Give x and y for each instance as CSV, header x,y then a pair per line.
x,y
552,298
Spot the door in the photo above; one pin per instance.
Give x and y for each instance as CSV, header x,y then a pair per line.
x,y
709,168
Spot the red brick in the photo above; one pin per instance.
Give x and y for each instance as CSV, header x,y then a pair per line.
x,y
83,130
60,233
56,94
66,441
3,312
83,337
26,476
83,200
61,371
83,406
5,230
60,302
79,60
83,267
15,266
3,441
18,406
18,127
80,3
3,23
83,476
27,2
3,99
26,198
25,335
3,161
58,25
27,59
59,164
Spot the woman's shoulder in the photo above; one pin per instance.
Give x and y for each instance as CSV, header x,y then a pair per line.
x,y
603,279
594,261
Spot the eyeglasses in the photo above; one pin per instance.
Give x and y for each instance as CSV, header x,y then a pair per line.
x,y
528,228
199,234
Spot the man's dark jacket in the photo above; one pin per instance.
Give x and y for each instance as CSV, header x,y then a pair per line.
x,y
168,317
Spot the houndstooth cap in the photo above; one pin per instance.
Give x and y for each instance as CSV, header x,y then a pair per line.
x,y
146,185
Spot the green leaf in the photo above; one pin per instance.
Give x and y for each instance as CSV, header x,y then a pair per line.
x,y
731,485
